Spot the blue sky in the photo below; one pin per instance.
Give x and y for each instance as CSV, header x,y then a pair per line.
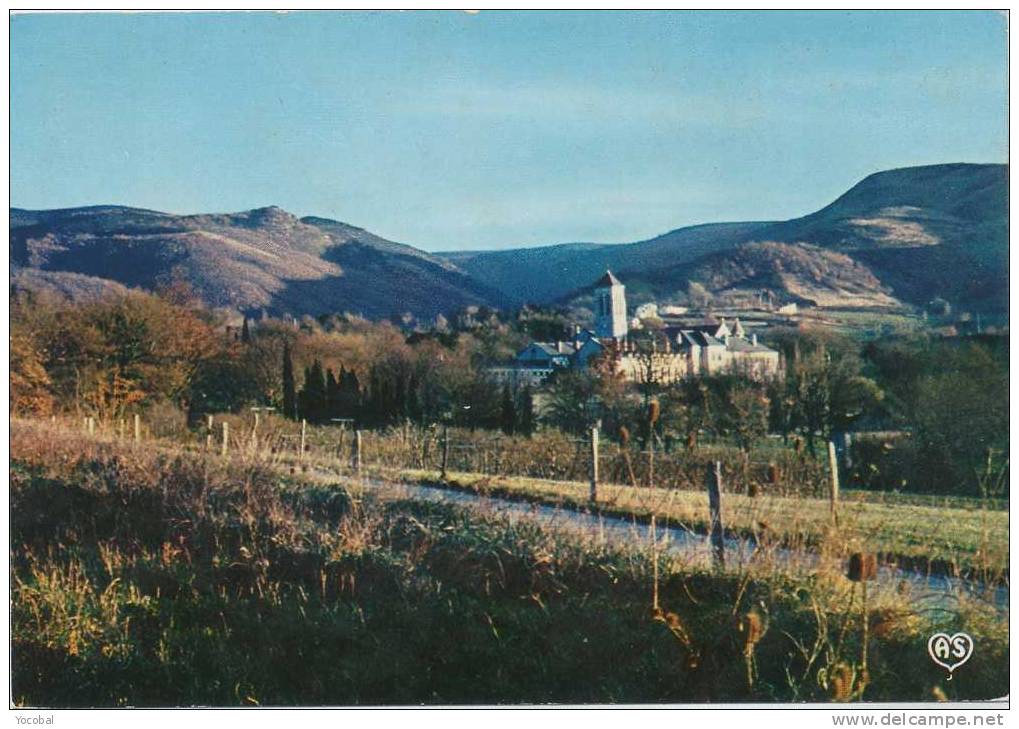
x,y
450,130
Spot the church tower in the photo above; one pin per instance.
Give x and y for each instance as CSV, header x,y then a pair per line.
x,y
609,308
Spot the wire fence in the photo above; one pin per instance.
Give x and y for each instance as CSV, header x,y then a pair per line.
x,y
772,468
548,455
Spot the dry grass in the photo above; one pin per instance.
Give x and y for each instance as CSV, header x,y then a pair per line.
x,y
151,576
938,535
927,538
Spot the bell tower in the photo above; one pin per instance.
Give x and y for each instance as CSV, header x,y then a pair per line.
x,y
610,308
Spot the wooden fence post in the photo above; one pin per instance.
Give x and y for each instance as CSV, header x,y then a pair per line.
x,y
654,411
654,561
594,464
715,505
445,451
137,428
651,462
833,486
226,438
357,452
254,434
91,425
304,435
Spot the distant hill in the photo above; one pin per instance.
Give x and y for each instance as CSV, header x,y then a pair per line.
x,y
264,259
790,272
911,234
65,285
906,235
546,273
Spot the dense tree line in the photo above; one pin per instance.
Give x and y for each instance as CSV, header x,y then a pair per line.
x,y
134,352
944,402
952,396
946,398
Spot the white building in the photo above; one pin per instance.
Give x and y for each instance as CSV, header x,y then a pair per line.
x,y
538,360
704,349
678,352
610,308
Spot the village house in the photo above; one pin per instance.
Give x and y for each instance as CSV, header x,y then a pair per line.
x,y
676,352
711,348
538,360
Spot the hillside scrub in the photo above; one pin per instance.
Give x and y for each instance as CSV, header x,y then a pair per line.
x,y
799,271
151,577
261,259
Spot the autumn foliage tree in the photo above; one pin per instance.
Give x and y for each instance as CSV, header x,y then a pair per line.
x,y
105,357
30,383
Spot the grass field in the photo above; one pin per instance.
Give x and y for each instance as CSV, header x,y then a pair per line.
x,y
938,539
148,575
940,534
866,324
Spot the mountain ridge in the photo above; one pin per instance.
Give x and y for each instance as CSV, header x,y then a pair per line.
x,y
935,230
905,235
261,259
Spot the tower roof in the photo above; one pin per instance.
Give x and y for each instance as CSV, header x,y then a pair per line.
x,y
608,280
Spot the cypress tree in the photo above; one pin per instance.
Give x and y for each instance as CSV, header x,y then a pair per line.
x,y
352,396
245,332
373,406
525,412
387,398
315,392
413,399
347,395
304,404
332,402
508,412
289,396
400,398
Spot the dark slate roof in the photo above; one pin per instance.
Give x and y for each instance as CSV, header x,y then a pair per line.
x,y
608,280
553,349
516,365
702,339
549,348
675,334
697,325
